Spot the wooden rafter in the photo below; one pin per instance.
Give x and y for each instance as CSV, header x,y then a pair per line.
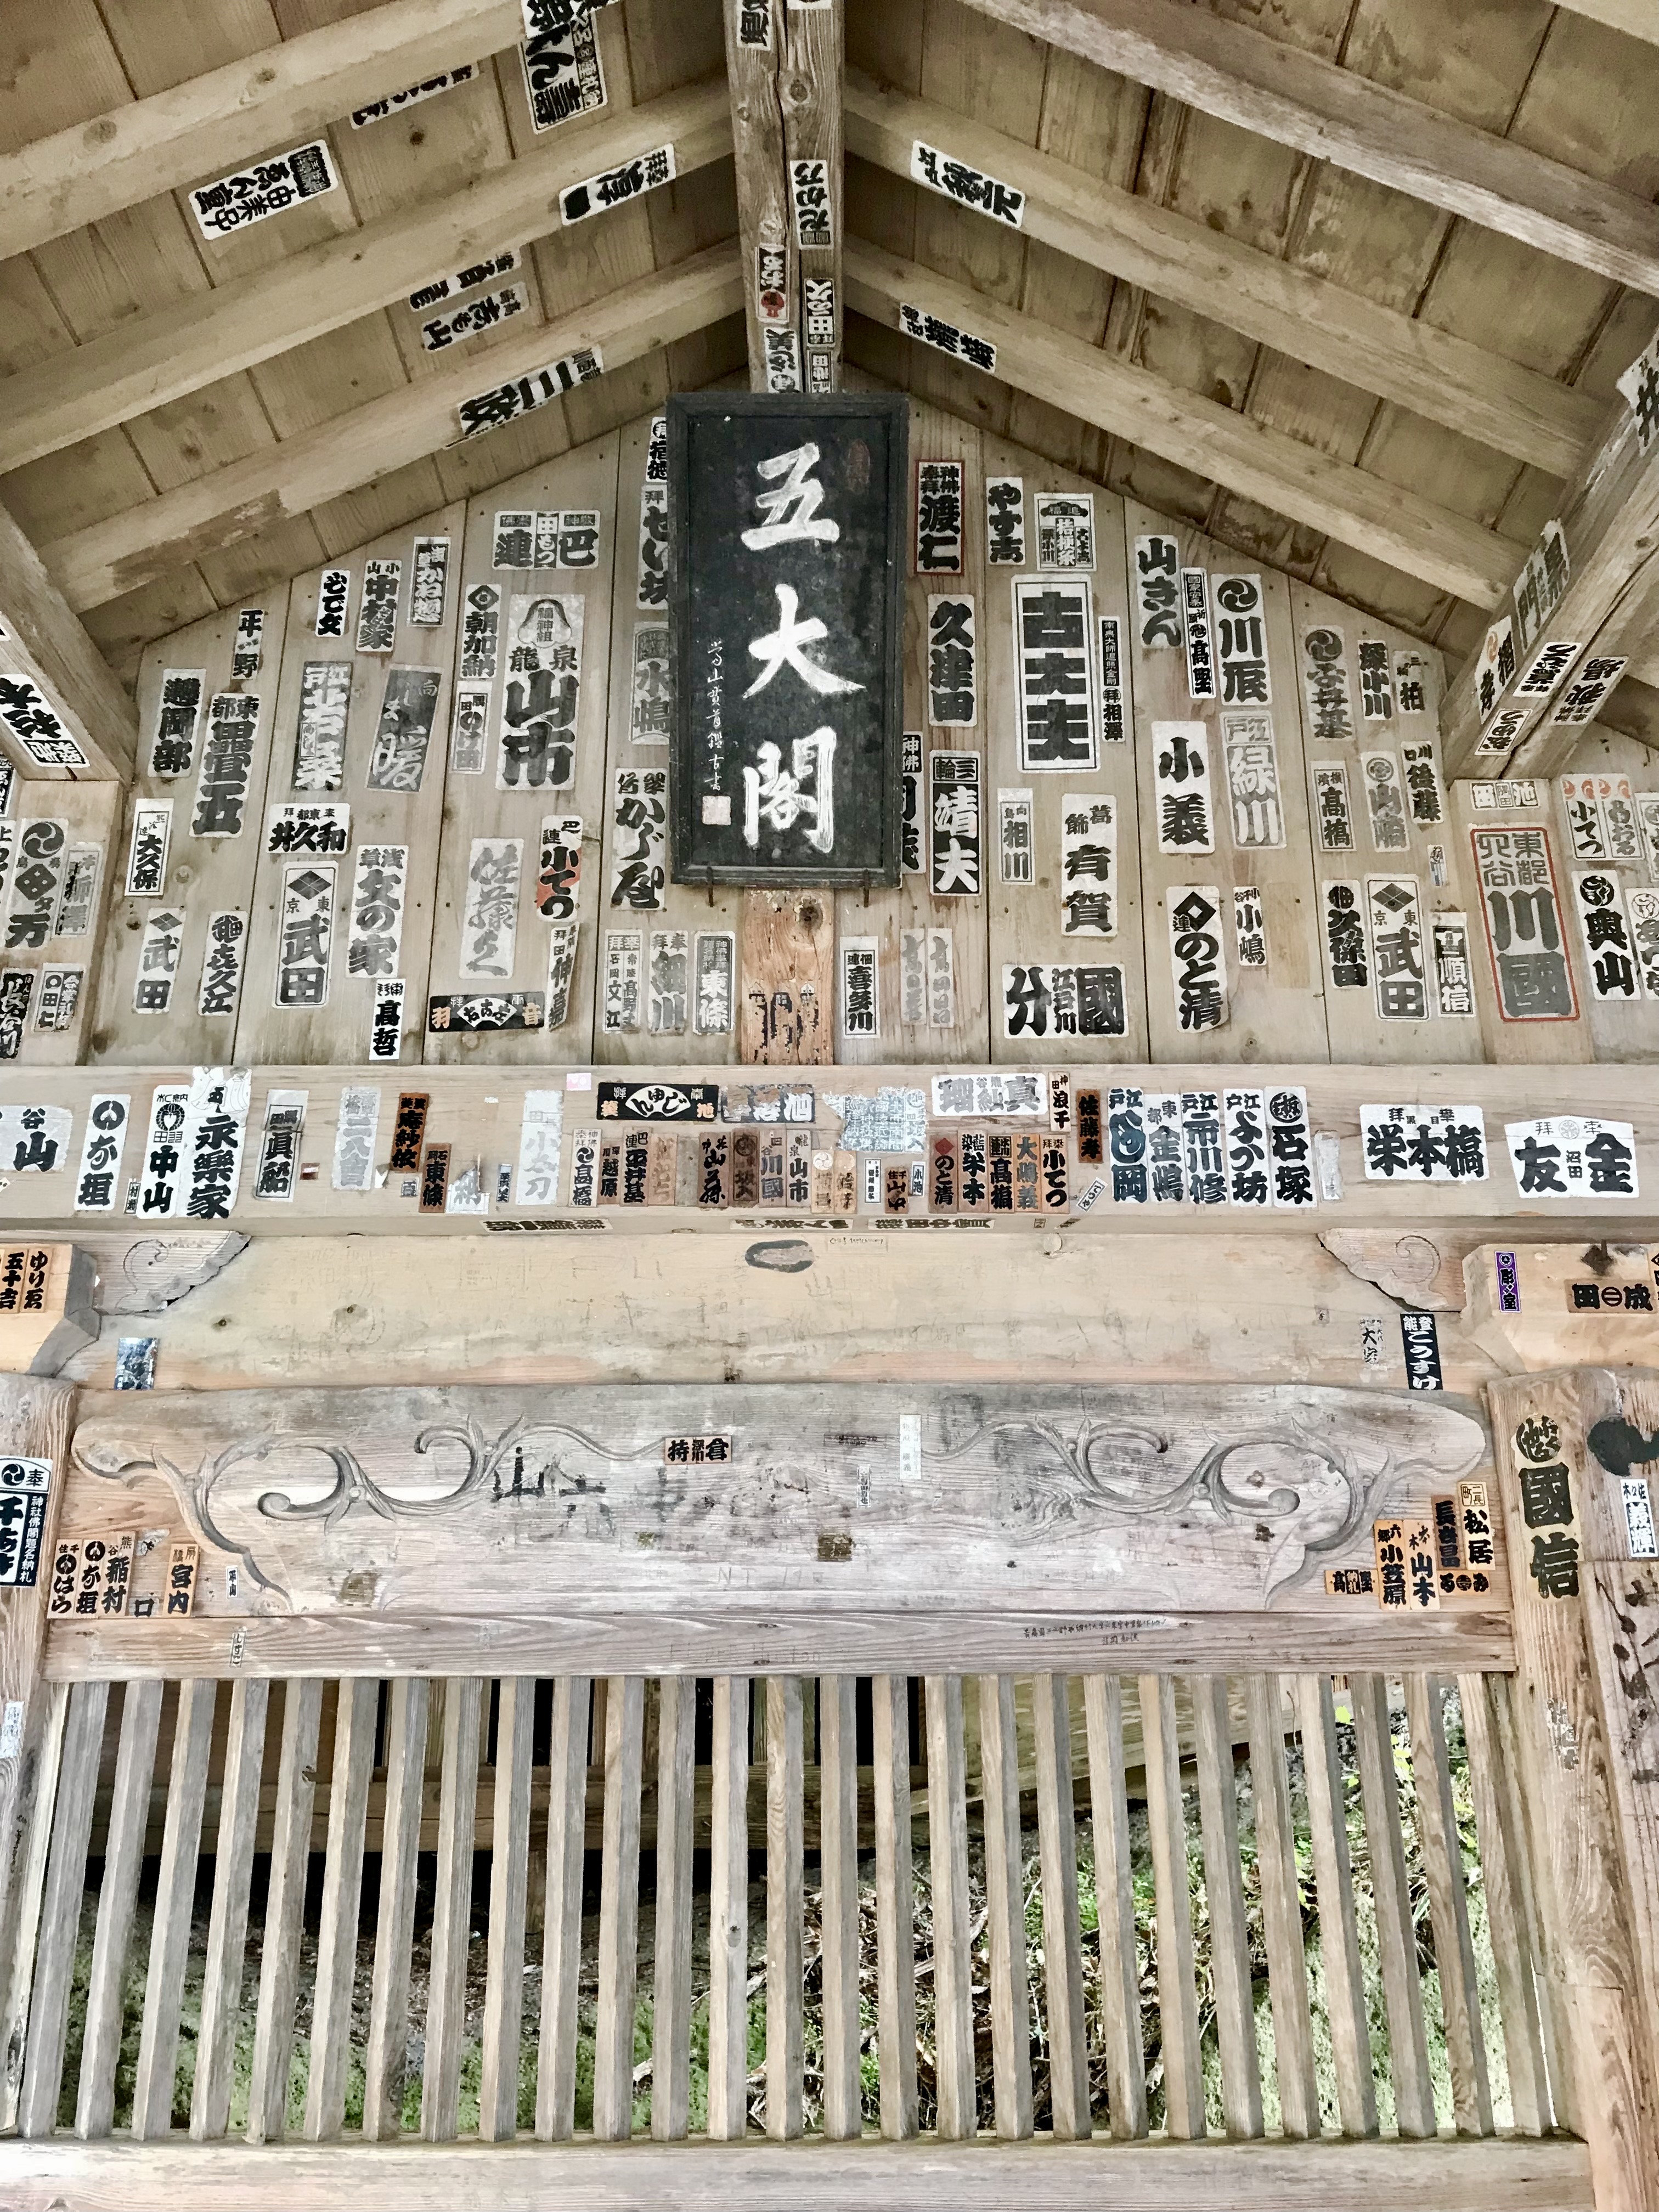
x,y
139,366
1443,378
1262,84
251,106
41,638
785,108
280,481
1638,19
1400,527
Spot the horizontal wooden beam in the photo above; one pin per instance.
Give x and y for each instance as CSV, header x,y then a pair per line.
x,y
282,481
1400,527
253,106
162,357
42,639
1230,69
1447,379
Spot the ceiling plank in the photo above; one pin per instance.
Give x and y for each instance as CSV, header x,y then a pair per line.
x,y
280,481
213,122
148,364
1480,394
785,108
1409,532
1610,519
1230,69
41,638
1639,19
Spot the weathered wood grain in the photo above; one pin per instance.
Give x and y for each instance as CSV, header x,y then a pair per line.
x,y
451,1919
1005,1897
233,1877
895,1935
388,2017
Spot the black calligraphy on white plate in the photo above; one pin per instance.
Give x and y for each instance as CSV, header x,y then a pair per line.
x,y
470,318
540,1140
651,594
1057,726
333,602
1590,684
377,611
1541,676
222,956
164,1168
913,858
658,1102
36,724
780,350
1422,1348
223,784
563,75
968,186
772,287
1244,1136
809,197
1249,927
1453,976
1041,1000
1201,641
1376,681
1522,912
489,908
1424,1144
265,187
108,1115
1113,728
1088,847
1241,622
1541,584
1126,1126
1198,956
481,616
559,875
1619,824
16,992
215,1134
1411,682
479,1011
1251,757
639,827
247,649
948,337
1495,666
60,997
1202,1157
927,987
354,1128
1181,784
584,1167
521,395
861,992
1642,907
1005,521
178,717
1333,810
408,707
1609,954
563,941
952,662
715,960
158,960
1014,836
378,882
670,982
939,527
324,828
394,103
611,188
305,915
1385,802
1580,811
1347,961
1398,969
624,963
650,709
1423,793
1571,1156
77,895
1290,1147
1065,525
429,582
469,736
319,737
278,1170
518,530
542,694
147,857
1325,685
955,823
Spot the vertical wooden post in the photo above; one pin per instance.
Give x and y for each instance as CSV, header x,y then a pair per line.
x,y
1587,1653
36,1422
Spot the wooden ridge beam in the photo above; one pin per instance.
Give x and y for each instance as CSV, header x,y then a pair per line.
x,y
1435,374
42,639
1609,517
280,481
1242,74
213,122
147,364
1400,527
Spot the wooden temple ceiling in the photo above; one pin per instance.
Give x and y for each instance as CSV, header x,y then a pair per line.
x,y
1347,283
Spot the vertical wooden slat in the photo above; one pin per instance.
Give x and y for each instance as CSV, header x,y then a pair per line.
x,y
838,1844
24,1899
1281,1909
947,1859
386,2055
1223,1887
561,1933
1397,1939
509,1866
1004,1899
1062,1938
1503,1868
175,1903
1119,1969
728,1913
670,2017
1177,1993
1449,1907
279,1965
60,1906
1339,1933
124,1859
619,1909
452,1915
343,1883
233,1877
785,1906
896,1923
